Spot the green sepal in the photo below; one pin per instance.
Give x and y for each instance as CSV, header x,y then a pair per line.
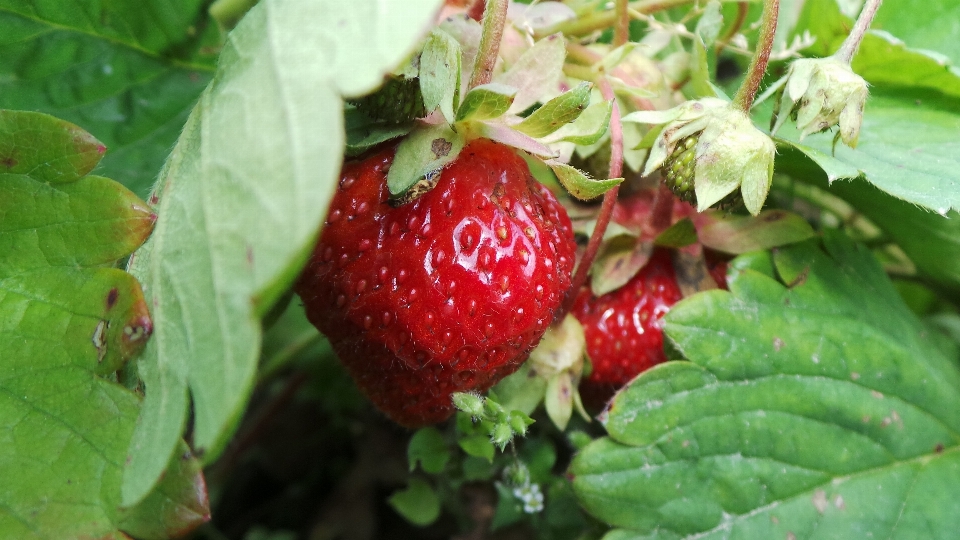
x,y
440,74
557,112
486,102
423,152
579,184
588,128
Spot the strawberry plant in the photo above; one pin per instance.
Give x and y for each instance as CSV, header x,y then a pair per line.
x,y
571,269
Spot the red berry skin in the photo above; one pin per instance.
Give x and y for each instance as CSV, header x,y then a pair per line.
x,y
624,328
448,293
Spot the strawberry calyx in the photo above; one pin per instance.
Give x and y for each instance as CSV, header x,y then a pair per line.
x,y
452,115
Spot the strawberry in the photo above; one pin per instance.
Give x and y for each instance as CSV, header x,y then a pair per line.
x,y
447,293
624,328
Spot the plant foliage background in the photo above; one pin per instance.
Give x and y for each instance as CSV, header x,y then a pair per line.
x,y
162,181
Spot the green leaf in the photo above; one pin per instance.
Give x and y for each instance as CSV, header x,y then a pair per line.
x,y
680,234
477,446
440,74
700,70
923,24
741,234
240,201
428,448
522,390
931,241
64,320
419,503
421,154
579,184
815,407
558,111
588,128
908,148
127,71
486,101
885,60
46,148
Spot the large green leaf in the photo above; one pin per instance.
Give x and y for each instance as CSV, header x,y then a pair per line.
x,y
923,24
64,319
127,71
813,407
241,199
908,148
930,240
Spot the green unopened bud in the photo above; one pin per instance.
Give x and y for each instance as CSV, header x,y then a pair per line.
x,y
707,149
519,422
819,93
471,404
501,435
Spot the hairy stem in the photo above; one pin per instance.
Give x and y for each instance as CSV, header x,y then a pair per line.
x,y
606,208
621,31
494,17
852,43
758,64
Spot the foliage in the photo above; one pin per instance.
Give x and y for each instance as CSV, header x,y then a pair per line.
x,y
149,346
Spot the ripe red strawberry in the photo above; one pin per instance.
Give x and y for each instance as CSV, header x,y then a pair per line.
x,y
624,328
448,293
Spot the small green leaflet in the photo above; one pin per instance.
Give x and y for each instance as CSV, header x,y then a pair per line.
x,y
817,406
418,503
428,448
558,111
678,235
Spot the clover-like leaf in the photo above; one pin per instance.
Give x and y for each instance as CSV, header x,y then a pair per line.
x,y
418,503
817,406
239,204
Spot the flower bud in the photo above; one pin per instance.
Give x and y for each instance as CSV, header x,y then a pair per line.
x,y
819,93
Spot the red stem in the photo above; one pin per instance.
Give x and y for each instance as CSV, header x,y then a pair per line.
x,y
609,199
662,215
494,17
758,64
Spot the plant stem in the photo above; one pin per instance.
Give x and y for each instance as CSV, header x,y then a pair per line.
x,y
662,214
621,32
494,17
852,43
606,208
758,64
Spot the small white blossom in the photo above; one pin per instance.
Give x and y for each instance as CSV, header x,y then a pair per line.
x,y
531,497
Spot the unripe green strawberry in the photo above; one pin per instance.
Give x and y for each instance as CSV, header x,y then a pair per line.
x,y
398,100
679,173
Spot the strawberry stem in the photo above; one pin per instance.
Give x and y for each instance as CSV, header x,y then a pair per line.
x,y
606,208
494,17
662,214
758,64
852,43
604,19
621,32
